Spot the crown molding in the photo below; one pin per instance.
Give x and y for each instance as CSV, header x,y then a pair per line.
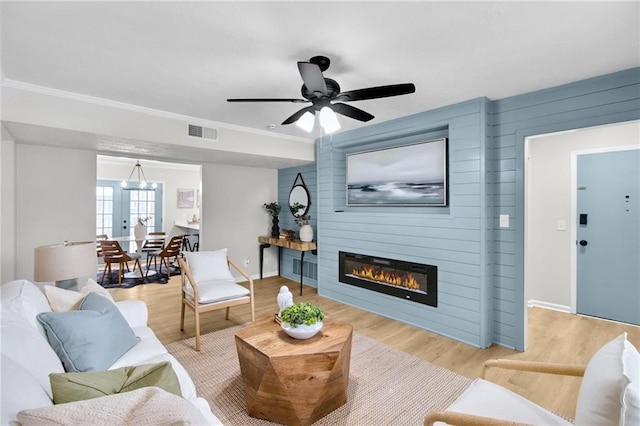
x,y
43,90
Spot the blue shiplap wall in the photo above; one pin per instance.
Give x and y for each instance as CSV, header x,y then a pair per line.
x,y
286,177
454,238
602,100
481,266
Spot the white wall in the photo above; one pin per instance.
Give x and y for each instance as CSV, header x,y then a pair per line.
x,y
7,207
55,200
548,200
232,213
172,176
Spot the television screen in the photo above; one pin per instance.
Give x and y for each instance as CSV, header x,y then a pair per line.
x,y
408,175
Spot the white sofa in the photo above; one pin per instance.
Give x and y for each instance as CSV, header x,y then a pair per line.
x,y
28,359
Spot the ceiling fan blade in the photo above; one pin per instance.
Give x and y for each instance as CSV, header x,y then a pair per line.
x,y
297,115
377,92
351,111
313,78
267,100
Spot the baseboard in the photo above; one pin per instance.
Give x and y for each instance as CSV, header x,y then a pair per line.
x,y
553,306
257,276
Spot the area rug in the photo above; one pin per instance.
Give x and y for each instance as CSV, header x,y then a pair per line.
x,y
111,280
386,386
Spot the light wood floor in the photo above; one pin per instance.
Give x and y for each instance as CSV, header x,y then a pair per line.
x,y
552,337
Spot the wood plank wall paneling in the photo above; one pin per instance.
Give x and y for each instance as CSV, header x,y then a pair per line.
x,y
449,237
602,100
286,178
481,266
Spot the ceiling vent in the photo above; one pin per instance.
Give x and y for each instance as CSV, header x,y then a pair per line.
x,y
202,132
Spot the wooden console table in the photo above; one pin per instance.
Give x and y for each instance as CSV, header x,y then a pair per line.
x,y
281,243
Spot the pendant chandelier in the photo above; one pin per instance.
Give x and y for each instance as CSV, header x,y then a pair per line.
x,y
140,183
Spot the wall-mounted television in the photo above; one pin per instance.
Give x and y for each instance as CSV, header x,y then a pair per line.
x,y
407,175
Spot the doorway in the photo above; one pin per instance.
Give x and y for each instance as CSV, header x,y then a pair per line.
x,y
162,205
550,219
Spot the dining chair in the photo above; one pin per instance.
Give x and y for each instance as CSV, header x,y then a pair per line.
x,y
171,250
191,242
112,253
207,285
99,239
154,244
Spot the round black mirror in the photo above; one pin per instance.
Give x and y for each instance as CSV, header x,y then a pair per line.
x,y
299,199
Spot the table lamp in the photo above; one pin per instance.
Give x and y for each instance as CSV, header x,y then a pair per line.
x,y
67,261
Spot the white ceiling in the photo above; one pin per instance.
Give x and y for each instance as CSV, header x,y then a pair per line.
x,y
188,58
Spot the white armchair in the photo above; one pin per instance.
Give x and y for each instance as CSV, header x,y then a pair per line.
x,y
609,394
207,284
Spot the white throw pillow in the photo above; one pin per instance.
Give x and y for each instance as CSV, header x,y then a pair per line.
x,y
62,300
209,265
631,400
605,385
93,287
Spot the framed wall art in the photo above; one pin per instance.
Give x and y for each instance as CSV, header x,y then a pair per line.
x,y
186,198
408,175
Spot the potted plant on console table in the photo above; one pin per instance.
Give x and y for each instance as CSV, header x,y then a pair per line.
x,y
274,210
302,320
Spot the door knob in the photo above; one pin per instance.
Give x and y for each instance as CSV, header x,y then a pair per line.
x,y
583,243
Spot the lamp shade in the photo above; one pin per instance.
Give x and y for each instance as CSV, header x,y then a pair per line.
x,y
328,120
306,122
66,261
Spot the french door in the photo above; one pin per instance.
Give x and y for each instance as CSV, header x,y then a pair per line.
x,y
118,210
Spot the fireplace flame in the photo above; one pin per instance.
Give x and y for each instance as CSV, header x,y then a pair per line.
x,y
406,280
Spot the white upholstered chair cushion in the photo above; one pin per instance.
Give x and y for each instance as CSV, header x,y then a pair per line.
x,y
609,390
209,265
483,398
217,291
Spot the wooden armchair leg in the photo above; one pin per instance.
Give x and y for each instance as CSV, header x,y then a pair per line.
x,y
197,331
182,315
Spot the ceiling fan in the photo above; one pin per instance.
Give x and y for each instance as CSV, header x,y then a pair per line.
x,y
325,92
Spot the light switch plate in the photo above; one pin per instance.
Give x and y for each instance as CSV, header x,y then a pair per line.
x,y
504,221
562,225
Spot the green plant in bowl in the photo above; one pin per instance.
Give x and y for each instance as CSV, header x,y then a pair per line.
x,y
302,314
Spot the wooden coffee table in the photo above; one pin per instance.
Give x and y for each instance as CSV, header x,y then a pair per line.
x,y
290,381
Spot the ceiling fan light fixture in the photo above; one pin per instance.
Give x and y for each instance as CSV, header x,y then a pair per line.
x,y
329,120
306,122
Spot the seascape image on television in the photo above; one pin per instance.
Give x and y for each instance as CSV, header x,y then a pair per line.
x,y
412,175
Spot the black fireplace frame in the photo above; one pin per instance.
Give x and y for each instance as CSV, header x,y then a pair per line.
x,y
431,272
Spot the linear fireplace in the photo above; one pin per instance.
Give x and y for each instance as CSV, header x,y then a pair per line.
x,y
411,281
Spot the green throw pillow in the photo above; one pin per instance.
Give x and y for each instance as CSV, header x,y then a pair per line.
x,y
91,338
70,387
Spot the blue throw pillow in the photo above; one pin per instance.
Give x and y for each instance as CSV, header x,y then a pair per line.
x,y
91,338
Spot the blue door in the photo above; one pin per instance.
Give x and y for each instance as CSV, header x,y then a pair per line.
x,y
118,210
608,235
